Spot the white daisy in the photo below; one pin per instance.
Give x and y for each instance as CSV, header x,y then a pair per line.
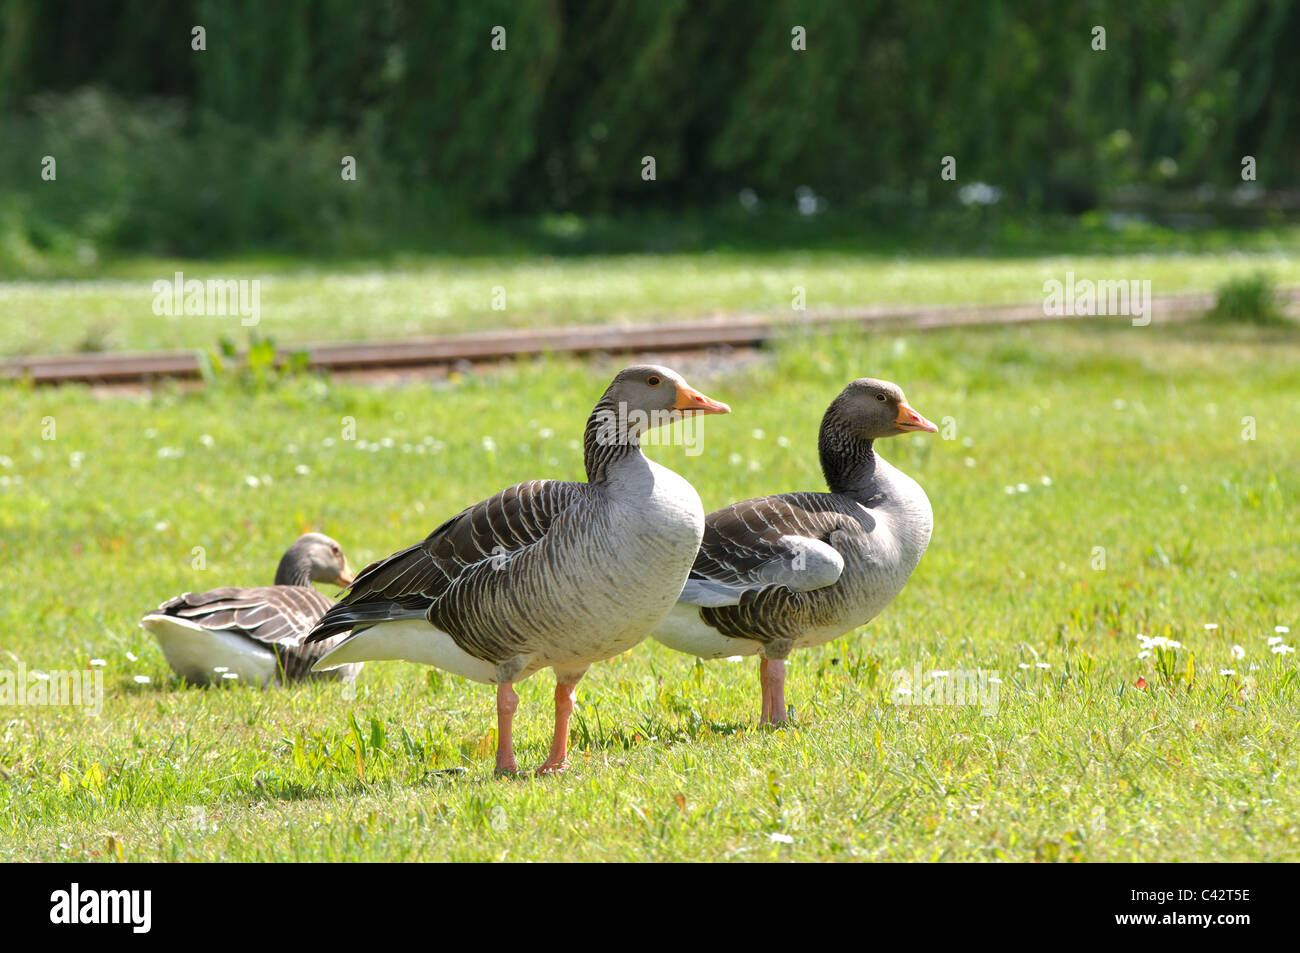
x,y
1159,642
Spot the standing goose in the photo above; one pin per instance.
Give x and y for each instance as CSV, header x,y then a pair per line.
x,y
798,569
255,633
543,574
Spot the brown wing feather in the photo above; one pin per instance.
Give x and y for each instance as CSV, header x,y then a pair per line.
x,y
277,616
409,583
269,614
743,538
744,542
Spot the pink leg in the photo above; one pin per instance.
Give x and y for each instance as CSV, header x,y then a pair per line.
x,y
564,699
507,702
772,673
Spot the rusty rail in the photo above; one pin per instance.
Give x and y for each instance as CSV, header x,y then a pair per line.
x,y
739,331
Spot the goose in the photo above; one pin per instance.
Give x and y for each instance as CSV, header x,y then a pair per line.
x,y
254,633
781,572
545,574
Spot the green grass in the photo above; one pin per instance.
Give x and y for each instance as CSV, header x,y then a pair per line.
x,y
553,273
1128,439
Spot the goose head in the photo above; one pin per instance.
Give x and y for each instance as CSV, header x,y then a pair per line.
x,y
314,557
866,410
870,409
645,396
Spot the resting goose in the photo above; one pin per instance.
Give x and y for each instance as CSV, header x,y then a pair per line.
x,y
545,574
255,633
798,569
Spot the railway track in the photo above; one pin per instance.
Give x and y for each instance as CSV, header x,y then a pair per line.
x,y
735,331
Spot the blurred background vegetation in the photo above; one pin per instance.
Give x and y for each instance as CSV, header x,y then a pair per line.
x,y
166,151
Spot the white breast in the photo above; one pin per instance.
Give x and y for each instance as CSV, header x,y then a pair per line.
x,y
623,576
873,576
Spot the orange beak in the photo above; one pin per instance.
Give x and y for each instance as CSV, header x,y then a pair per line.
x,y
691,401
346,576
909,420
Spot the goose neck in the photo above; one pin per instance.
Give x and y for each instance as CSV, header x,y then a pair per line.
x,y
294,569
610,439
848,461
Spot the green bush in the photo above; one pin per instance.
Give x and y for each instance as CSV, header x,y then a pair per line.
x,y
238,145
146,177
1248,300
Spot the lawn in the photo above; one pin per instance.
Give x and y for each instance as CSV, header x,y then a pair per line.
x,y
422,294
1073,448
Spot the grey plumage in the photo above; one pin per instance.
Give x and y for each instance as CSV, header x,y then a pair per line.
x,y
545,574
785,554
276,616
461,560
794,569
237,620
527,578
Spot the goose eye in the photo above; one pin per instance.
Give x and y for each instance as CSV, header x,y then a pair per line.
x,y
880,397
652,380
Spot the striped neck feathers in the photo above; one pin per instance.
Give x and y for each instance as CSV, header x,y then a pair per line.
x,y
613,435
294,569
848,461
